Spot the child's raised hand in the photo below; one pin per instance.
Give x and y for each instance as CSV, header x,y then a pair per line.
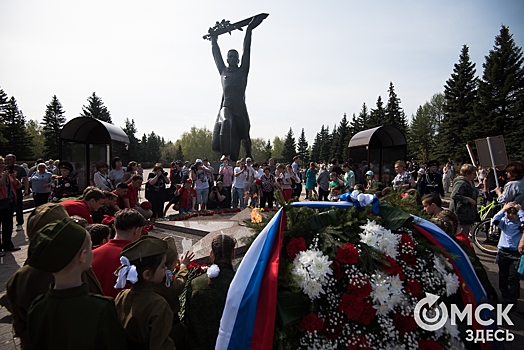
x,y
187,257
507,206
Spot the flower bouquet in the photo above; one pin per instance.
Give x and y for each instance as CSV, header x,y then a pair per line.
x,y
350,279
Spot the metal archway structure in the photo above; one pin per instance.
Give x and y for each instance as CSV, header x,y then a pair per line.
x,y
379,148
86,141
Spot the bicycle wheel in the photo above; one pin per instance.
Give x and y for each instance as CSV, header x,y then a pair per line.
x,y
486,237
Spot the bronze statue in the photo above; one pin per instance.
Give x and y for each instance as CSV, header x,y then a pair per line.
x,y
232,124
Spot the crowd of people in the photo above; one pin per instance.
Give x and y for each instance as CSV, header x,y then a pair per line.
x,y
92,250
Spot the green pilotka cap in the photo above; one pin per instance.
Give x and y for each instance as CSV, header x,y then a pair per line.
x,y
43,215
144,247
55,245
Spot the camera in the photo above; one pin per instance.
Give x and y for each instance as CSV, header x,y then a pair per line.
x,y
11,169
214,188
279,180
164,173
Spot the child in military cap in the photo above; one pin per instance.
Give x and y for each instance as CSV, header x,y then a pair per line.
x,y
27,282
172,286
206,294
67,316
145,315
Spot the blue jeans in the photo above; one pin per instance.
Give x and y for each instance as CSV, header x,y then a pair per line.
x,y
182,210
202,195
238,195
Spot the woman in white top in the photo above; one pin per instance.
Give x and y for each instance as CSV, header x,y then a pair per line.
x,y
101,179
240,173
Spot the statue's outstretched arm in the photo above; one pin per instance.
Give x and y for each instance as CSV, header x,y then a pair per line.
x,y
217,55
246,53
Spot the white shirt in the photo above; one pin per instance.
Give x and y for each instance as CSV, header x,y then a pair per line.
x,y
239,180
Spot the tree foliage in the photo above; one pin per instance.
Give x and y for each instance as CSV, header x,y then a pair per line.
x,y
36,133
135,149
278,147
421,133
290,147
460,93
501,93
196,143
18,141
96,109
52,124
394,114
302,148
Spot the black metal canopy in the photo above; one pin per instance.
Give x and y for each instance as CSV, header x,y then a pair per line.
x,y
381,136
91,130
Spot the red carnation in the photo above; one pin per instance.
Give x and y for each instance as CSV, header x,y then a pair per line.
x,y
360,287
407,241
295,246
429,345
392,268
368,313
338,271
414,288
404,324
347,254
409,259
311,323
351,305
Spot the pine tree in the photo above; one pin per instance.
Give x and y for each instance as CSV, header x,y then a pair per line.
x,y
333,144
302,148
52,123
501,92
18,139
154,143
344,136
131,130
377,115
394,115
421,133
361,122
96,109
179,155
289,150
460,93
315,148
3,107
325,144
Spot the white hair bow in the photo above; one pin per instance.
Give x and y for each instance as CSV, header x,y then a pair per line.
x,y
169,277
127,273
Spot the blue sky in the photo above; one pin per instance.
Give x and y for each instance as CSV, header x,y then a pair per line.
x,y
312,61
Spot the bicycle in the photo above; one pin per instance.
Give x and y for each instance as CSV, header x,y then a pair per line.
x,y
485,235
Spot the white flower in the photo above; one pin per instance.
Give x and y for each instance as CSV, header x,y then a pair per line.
x,y
439,265
306,257
378,237
395,284
452,283
213,271
310,270
320,268
313,289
